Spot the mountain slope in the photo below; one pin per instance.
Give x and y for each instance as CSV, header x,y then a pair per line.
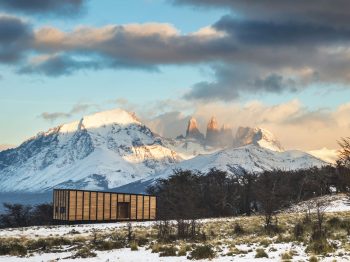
x,y
100,151
250,158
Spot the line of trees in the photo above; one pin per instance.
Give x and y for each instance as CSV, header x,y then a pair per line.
x,y
191,195
18,215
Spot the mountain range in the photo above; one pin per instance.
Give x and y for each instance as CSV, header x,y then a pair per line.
x,y
113,150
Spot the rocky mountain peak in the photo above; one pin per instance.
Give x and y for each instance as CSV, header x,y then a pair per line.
x,y
213,124
192,130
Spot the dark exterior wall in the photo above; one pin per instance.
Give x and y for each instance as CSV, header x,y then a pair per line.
x,y
90,206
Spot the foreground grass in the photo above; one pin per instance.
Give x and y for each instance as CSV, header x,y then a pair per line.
x,y
225,237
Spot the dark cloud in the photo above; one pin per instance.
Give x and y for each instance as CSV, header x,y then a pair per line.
x,y
256,54
334,12
57,65
64,64
139,44
232,81
15,38
269,33
65,8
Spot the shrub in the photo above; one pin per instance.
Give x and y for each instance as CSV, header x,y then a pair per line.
x,y
202,252
286,256
45,244
183,250
142,241
169,251
155,247
235,251
265,242
104,245
238,229
12,248
334,222
313,259
260,253
320,246
84,252
345,224
133,246
298,230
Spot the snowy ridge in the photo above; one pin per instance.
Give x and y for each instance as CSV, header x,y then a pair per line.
x,y
251,158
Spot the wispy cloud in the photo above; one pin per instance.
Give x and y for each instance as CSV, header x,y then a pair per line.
x,y
76,109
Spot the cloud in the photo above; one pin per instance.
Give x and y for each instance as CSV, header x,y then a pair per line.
x,y
271,33
315,11
65,8
233,81
56,65
144,44
76,109
172,124
54,116
294,124
247,56
15,38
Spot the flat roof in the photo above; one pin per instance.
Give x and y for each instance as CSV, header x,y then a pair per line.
x,y
95,191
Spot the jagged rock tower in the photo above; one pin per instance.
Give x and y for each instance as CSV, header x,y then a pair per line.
x,y
193,131
213,132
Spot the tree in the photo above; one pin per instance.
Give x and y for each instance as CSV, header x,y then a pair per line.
x,y
179,198
344,152
16,215
269,192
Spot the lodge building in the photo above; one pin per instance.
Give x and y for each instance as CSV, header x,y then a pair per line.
x,y
84,206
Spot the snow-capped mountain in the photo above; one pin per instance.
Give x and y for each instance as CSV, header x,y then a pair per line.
x,y
100,151
251,158
111,149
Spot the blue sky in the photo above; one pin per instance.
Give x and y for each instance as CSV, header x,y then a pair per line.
x,y
195,81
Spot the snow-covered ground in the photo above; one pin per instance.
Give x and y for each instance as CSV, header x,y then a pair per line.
x,y
330,203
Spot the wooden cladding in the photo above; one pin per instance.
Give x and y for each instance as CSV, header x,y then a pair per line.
x,y
90,206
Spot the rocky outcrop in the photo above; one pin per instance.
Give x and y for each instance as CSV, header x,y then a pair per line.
x,y
193,131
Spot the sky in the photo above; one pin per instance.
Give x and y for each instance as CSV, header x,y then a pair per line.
x,y
282,65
